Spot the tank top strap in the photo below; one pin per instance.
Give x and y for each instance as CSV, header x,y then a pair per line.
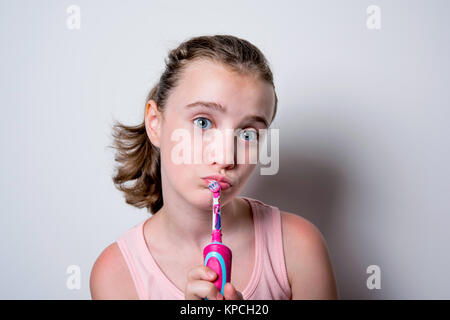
x,y
129,245
274,274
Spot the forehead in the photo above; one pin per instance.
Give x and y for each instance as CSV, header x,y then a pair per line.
x,y
240,94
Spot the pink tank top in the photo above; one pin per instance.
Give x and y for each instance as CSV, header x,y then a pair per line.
x,y
268,280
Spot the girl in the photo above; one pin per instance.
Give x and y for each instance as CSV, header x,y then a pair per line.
x,y
210,82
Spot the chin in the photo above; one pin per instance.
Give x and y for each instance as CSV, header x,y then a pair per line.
x,y
200,198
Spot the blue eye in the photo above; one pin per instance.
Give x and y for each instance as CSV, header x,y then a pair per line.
x,y
202,121
250,135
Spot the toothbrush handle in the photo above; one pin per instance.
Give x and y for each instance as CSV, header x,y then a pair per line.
x,y
217,256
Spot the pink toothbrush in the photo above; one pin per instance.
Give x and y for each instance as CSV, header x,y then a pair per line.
x,y
216,255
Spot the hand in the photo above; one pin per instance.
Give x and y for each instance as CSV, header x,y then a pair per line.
x,y
231,293
200,285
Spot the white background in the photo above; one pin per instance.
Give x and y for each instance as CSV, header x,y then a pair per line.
x,y
363,118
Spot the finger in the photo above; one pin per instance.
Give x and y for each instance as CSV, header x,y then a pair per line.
x,y
231,293
202,273
200,289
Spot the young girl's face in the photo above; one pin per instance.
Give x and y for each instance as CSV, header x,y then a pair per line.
x,y
248,105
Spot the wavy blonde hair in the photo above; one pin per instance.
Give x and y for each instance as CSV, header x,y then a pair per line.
x,y
138,159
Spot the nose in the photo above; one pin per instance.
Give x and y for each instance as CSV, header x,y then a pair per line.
x,y
224,155
222,166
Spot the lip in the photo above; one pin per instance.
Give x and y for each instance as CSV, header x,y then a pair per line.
x,y
223,181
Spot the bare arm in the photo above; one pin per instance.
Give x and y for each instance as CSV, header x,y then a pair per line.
x,y
308,264
110,278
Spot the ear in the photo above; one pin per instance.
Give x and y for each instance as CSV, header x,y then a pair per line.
x,y
153,122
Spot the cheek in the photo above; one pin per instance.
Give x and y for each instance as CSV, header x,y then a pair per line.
x,y
176,149
185,146
246,172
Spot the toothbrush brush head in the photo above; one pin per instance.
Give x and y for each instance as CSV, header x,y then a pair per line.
x,y
214,186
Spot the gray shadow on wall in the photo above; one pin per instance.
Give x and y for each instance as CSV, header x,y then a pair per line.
x,y
313,188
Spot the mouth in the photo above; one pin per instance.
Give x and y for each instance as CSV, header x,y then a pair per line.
x,y
222,181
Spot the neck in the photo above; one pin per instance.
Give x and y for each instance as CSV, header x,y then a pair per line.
x,y
189,226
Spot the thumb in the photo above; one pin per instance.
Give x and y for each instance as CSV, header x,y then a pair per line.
x,y
230,292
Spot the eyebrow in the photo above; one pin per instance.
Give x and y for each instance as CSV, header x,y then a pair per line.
x,y
218,107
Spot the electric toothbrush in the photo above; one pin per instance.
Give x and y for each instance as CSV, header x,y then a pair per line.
x,y
216,255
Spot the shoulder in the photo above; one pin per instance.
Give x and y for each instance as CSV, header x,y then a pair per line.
x,y
110,277
307,259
